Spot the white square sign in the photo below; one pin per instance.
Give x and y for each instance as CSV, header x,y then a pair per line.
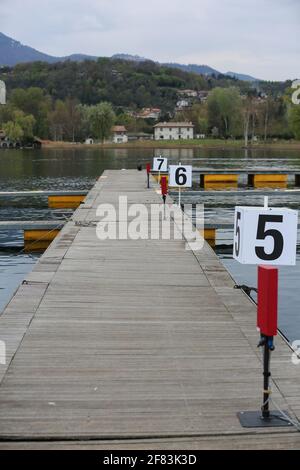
x,y
265,236
160,164
180,176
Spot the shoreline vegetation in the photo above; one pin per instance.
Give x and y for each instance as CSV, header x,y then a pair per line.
x,y
186,144
73,102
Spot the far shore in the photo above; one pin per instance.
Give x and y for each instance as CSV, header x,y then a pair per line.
x,y
205,143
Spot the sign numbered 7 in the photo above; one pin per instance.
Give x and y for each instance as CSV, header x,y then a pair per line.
x,y
265,236
160,164
180,176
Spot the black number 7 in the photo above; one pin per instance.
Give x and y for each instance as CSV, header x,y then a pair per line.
x,y
161,160
275,234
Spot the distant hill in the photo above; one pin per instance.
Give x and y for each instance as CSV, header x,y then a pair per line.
x,y
193,68
13,52
241,76
131,58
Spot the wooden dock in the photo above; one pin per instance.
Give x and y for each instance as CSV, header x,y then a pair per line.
x,y
131,344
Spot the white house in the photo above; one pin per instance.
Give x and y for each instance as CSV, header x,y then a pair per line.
x,y
119,135
173,131
189,93
182,104
149,113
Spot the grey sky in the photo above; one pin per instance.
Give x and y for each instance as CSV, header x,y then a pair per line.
x,y
258,37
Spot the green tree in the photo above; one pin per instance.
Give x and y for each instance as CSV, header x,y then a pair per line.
x,y
102,118
33,101
224,110
18,125
13,131
74,119
58,121
294,120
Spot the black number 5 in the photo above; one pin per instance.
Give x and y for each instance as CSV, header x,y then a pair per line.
x,y
275,234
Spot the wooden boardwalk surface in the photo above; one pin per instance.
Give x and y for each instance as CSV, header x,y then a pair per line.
x,y
134,339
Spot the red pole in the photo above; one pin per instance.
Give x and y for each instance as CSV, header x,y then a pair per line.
x,y
148,168
164,186
267,300
267,313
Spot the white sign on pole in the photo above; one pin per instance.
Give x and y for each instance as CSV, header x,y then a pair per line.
x,y
2,92
160,164
265,235
180,176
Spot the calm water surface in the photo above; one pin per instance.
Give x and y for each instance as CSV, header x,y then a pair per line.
x,y
78,169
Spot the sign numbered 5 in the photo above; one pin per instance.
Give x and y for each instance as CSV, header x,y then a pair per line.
x,y
180,176
160,164
265,236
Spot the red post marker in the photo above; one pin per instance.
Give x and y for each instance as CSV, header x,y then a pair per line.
x,y
267,307
164,186
267,297
148,168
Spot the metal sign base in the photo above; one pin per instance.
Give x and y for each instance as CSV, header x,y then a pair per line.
x,y
254,419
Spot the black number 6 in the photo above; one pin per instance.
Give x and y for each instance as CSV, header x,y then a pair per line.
x,y
180,176
275,234
238,234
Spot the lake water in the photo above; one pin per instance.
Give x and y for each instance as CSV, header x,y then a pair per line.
x,y
78,169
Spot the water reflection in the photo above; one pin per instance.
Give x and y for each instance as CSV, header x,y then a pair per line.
x,y
13,269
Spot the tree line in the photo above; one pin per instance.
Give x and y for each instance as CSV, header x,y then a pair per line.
x,y
228,114
71,101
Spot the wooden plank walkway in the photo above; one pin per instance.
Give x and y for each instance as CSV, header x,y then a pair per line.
x,y
134,339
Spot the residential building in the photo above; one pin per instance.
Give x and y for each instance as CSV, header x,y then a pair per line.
x,y
173,131
149,113
188,93
203,95
119,135
134,136
182,104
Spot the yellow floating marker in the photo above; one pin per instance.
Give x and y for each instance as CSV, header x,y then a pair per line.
x,y
209,235
220,181
159,177
220,186
268,181
65,202
38,240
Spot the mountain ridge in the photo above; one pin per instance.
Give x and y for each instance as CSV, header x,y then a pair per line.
x,y
13,52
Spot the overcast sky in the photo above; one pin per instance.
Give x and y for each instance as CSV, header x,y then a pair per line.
x,y
257,37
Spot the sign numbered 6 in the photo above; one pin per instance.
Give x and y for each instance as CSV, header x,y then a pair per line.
x,y
180,176
265,236
160,164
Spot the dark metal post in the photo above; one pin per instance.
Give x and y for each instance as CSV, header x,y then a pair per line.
x,y
266,374
148,169
267,343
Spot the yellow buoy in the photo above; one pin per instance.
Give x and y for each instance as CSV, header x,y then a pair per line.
x,y
65,202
